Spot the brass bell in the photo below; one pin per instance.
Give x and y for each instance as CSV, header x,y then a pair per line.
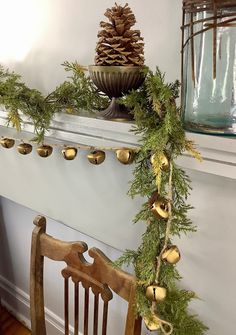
x,y
44,150
171,255
7,142
96,157
125,156
69,153
153,198
164,162
24,148
160,209
156,293
153,324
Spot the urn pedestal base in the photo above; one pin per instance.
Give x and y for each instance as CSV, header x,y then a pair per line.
x,y
116,112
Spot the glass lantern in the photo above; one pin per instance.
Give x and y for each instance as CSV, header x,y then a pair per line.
x,y
209,66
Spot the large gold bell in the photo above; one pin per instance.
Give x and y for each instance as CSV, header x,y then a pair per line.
x,y
153,324
69,153
156,293
160,209
171,255
24,148
44,150
96,157
164,162
7,142
125,156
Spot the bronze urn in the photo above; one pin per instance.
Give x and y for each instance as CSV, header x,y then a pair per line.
x,y
115,81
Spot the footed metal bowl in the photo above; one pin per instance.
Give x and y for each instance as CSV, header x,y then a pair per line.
x,y
115,81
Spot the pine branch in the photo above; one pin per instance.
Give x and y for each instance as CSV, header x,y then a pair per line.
x,y
158,121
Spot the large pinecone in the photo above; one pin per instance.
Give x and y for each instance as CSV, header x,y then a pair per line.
x,y
118,44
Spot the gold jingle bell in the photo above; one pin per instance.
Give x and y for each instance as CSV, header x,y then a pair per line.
x,y
69,153
44,150
24,148
7,142
153,323
163,160
171,255
96,157
156,293
125,156
160,209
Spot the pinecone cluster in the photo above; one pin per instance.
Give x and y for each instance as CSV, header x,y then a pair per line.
x,y
118,44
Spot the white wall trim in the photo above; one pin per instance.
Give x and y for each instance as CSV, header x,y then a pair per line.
x,y
13,296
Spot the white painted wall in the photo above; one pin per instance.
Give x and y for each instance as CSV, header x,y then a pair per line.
x,y
58,30
41,34
207,256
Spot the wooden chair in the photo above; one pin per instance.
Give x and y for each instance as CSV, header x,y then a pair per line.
x,y
99,278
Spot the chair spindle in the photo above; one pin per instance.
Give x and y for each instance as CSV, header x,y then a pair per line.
x,y
86,310
95,320
76,309
66,305
104,319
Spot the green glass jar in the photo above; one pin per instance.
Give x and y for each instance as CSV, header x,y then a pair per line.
x,y
209,66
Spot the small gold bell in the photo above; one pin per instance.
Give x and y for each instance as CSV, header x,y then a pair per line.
x,y
125,156
163,161
24,148
160,209
69,153
7,142
155,293
153,324
171,255
96,157
44,150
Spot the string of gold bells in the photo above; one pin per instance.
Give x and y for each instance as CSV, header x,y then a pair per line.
x,y
96,155
162,209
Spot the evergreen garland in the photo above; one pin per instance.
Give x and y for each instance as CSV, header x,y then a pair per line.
x,y
157,119
16,97
78,92
75,94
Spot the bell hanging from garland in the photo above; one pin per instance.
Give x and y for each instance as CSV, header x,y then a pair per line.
x,y
125,156
24,148
44,151
7,142
96,157
164,162
69,153
156,293
160,209
152,324
171,255
153,198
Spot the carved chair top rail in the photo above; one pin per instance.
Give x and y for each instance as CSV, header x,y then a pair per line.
x,y
72,253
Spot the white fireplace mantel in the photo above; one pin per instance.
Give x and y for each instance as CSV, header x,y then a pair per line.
x,y
92,199
218,152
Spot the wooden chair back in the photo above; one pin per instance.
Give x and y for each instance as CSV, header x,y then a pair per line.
x,y
99,278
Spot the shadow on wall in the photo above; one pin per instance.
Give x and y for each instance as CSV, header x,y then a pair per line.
x,y
6,264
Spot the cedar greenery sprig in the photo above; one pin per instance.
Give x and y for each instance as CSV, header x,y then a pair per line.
x,y
78,92
16,96
158,121
75,94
